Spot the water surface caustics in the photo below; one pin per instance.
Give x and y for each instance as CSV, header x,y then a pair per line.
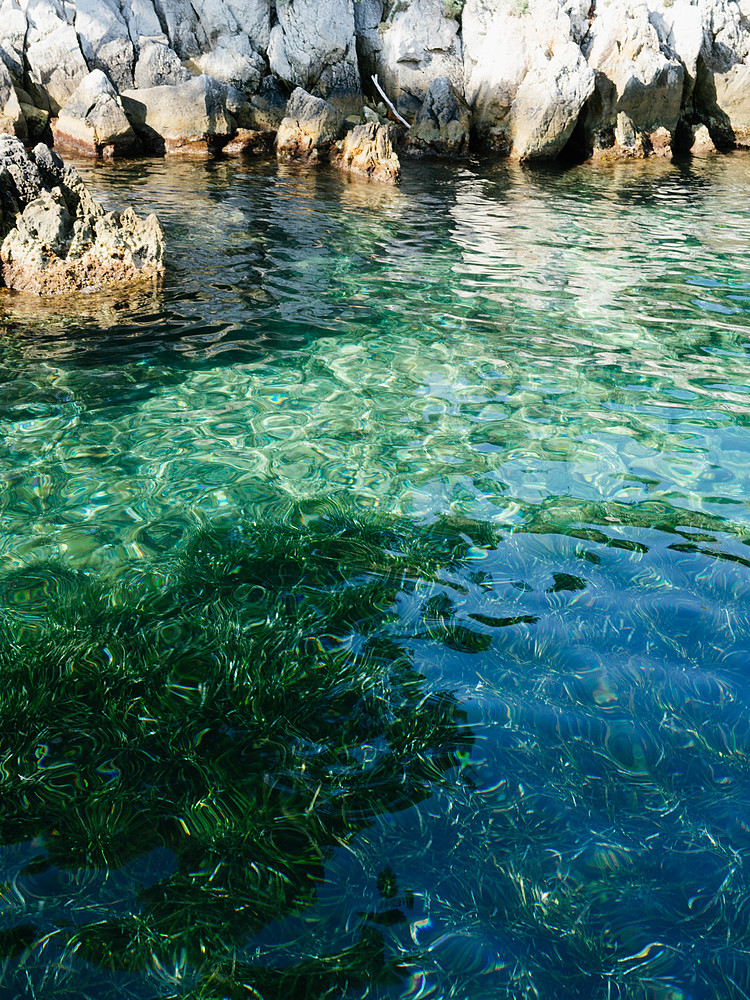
x,y
374,593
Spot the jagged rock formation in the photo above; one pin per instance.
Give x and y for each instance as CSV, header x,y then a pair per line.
x,y
538,77
56,238
367,151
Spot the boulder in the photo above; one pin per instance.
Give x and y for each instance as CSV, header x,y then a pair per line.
x,y
53,53
634,76
13,37
105,40
235,62
93,120
548,102
309,129
367,150
503,44
189,118
56,238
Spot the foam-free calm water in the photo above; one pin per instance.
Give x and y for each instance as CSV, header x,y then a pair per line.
x,y
558,359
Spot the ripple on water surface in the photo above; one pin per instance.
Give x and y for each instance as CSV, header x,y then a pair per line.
x,y
375,592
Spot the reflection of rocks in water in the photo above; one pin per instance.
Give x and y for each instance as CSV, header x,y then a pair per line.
x,y
236,723
109,307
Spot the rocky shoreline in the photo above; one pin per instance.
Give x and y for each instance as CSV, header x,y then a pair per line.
x,y
534,79
354,83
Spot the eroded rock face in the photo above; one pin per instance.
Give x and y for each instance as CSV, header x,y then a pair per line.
x,y
56,238
367,151
310,128
443,122
417,44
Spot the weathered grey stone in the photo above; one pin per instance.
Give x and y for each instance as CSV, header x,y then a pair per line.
x,y
418,43
235,62
309,129
634,75
313,45
13,37
55,62
158,65
367,150
56,238
190,117
105,40
93,120
547,103
442,125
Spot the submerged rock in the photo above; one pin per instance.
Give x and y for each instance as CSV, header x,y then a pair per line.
x,y
309,129
368,152
56,238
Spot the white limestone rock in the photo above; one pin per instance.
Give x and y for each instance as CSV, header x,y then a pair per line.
x,y
55,62
419,44
105,40
634,75
158,65
94,121
13,36
548,102
235,62
503,43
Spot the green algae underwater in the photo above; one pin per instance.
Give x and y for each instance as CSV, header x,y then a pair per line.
x,y
374,594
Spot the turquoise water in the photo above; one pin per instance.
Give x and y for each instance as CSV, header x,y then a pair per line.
x,y
375,592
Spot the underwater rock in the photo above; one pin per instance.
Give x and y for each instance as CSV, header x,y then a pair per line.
x,y
367,150
442,125
56,238
309,129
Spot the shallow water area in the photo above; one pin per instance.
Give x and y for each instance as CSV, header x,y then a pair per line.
x,y
375,591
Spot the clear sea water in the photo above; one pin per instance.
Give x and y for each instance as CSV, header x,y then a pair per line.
x,y
375,592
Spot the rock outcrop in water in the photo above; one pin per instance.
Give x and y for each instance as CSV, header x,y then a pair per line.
x,y
56,238
537,78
